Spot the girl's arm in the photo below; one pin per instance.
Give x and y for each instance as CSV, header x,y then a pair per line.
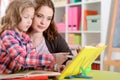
x,y
25,56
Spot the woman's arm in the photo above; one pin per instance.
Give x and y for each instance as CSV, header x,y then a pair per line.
x,y
61,45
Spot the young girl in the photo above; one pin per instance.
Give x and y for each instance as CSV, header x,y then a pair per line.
x,y
16,50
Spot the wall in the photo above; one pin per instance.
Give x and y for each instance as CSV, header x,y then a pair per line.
x,y
105,23
106,5
4,4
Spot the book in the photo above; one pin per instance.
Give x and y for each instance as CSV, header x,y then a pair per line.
x,y
29,74
84,59
74,39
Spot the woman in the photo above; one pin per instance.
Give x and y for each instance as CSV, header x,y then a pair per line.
x,y
44,34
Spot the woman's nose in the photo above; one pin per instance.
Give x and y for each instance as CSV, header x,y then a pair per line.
x,y
43,21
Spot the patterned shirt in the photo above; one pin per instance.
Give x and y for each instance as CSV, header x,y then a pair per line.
x,y
42,47
16,53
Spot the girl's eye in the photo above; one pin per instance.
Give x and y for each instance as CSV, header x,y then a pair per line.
x,y
26,17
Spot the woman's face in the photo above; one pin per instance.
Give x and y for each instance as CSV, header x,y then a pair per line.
x,y
42,19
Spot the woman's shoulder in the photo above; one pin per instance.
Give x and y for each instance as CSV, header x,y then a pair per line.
x,y
59,37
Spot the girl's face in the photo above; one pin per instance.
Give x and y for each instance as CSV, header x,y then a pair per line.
x,y
26,19
42,19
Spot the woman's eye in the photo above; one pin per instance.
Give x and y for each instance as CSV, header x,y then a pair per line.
x,y
39,15
32,18
50,19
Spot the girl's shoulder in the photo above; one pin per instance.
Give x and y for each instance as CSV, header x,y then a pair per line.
x,y
26,36
7,33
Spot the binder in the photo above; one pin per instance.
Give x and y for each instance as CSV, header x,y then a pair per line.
x,y
76,15
77,1
70,18
68,1
71,1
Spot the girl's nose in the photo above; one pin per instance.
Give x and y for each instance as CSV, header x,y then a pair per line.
x,y
29,21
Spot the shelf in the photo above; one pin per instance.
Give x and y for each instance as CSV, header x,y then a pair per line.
x,y
59,6
74,34
92,1
91,32
98,62
75,4
61,3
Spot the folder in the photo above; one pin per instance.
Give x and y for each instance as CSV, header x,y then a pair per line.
x,y
77,39
76,15
77,1
0,2
68,1
71,1
70,19
71,38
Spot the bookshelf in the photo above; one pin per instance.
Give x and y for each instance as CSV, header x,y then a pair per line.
x,y
84,36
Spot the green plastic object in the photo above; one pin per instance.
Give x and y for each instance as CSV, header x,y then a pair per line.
x,y
88,69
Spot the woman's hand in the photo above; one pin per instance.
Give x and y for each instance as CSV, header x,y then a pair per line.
x,y
59,68
60,58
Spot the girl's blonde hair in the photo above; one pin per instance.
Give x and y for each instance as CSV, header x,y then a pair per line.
x,y
13,14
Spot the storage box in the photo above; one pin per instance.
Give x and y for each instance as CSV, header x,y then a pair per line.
x,y
61,27
93,23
